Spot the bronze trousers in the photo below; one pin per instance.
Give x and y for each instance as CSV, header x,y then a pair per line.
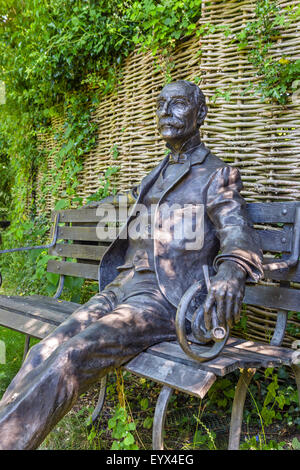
x,y
104,333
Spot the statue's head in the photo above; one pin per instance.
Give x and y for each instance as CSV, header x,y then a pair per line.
x,y
181,110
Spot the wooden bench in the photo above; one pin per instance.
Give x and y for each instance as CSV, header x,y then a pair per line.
x,y
75,242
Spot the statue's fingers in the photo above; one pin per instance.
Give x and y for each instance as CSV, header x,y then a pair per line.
x,y
237,308
220,306
230,309
214,318
208,304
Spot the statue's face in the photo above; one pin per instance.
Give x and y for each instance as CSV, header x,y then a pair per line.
x,y
177,113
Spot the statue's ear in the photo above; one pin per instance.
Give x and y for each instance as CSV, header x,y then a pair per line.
x,y
201,114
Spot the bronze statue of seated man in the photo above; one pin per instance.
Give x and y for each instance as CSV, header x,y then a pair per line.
x,y
143,278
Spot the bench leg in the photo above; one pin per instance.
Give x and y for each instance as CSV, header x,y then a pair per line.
x,y
238,408
159,418
26,346
101,398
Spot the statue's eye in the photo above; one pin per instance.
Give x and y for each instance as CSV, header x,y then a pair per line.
x,y
180,102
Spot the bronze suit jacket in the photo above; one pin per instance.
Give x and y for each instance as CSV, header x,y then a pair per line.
x,y
203,180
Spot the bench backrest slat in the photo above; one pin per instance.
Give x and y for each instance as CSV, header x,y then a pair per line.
x,y
272,212
89,234
82,251
91,215
85,270
273,297
276,241
79,240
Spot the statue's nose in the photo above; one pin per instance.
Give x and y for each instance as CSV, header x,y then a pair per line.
x,y
165,110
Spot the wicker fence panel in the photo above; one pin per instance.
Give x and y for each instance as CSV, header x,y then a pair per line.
x,y
48,171
261,139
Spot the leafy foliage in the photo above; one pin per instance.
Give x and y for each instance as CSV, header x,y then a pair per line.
x,y
278,76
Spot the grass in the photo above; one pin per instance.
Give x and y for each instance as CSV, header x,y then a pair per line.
x,y
14,346
189,424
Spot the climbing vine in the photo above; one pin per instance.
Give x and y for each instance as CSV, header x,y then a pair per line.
x,y
279,77
59,57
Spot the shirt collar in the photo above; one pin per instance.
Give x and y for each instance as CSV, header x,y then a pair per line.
x,y
195,153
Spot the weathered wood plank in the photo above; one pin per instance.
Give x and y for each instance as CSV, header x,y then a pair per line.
x,y
173,352
64,305
233,356
273,297
186,379
93,252
38,309
88,233
268,350
110,213
292,274
272,212
276,241
247,359
30,326
87,271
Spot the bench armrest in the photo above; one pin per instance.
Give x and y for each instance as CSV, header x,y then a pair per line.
x,y
295,252
38,247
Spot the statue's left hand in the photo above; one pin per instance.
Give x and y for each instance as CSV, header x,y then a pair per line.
x,y
226,292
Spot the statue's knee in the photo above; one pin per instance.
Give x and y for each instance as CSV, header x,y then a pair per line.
x,y
66,358
34,354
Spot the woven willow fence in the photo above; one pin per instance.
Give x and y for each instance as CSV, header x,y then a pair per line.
x,y
261,139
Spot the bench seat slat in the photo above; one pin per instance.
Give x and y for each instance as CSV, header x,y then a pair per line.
x,y
29,326
34,315
237,354
171,350
38,301
87,271
186,379
62,305
263,349
38,308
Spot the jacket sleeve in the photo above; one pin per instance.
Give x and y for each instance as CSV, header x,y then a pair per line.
x,y
226,209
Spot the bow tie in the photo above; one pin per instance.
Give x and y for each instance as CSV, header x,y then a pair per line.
x,y
178,158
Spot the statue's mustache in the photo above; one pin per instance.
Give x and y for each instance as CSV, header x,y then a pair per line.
x,y
168,122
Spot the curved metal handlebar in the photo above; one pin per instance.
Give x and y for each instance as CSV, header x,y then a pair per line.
x,y
295,251
36,247
218,334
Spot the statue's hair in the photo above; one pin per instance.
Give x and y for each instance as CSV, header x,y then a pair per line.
x,y
198,94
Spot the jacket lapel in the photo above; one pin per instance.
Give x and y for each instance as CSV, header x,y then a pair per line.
x,y
151,177
183,170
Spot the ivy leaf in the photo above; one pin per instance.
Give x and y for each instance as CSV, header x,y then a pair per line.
x,y
62,204
129,439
